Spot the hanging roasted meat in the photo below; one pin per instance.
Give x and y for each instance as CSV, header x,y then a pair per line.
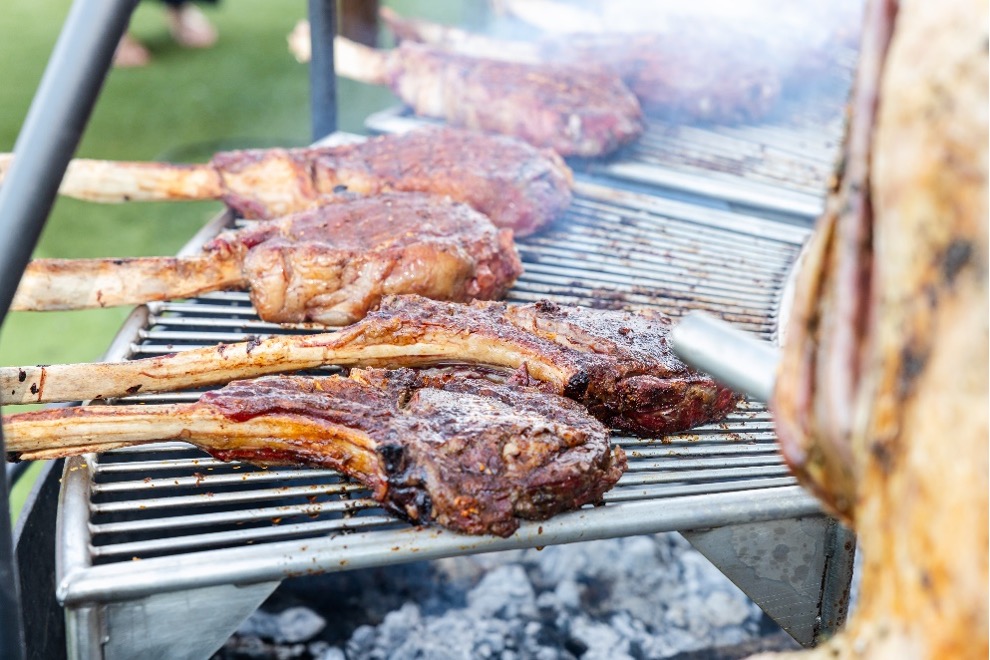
x,y
516,185
460,452
618,364
329,265
881,398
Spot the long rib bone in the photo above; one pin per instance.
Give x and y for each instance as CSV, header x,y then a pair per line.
x,y
416,444
52,284
618,364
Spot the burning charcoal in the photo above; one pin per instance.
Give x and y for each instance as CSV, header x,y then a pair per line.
x,y
659,598
331,653
362,642
600,640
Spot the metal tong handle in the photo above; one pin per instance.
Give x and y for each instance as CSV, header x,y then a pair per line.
x,y
731,356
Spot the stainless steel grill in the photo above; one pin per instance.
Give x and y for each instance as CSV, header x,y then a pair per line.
x,y
162,551
143,525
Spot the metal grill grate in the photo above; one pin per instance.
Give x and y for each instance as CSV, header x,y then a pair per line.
x,y
781,165
194,521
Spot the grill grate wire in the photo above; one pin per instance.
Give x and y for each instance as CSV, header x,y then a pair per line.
x,y
612,250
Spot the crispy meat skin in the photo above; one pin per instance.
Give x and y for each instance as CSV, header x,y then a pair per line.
x,y
463,453
517,186
881,398
575,110
333,264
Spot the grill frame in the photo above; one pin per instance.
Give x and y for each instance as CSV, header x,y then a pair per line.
x,y
101,585
708,488
725,168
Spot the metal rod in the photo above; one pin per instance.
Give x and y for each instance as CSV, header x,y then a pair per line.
x,y
322,76
47,141
247,564
736,358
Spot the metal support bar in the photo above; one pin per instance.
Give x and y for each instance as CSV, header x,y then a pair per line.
x,y
322,76
47,141
15,471
738,359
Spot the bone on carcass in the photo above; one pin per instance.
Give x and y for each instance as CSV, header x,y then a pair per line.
x,y
881,399
464,453
576,110
619,364
330,265
516,185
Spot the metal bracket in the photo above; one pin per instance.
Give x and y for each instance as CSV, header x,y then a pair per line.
x,y
797,570
179,624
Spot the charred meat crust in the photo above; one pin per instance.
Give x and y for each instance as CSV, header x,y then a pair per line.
x,y
575,110
465,453
515,184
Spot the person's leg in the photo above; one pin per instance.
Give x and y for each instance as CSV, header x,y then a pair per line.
x,y
130,53
189,26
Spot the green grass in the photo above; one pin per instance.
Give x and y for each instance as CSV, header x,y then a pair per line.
x,y
247,91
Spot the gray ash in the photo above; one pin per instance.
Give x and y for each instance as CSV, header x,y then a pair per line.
x,y
636,597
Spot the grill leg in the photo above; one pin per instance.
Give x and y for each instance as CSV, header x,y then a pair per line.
x,y
34,547
797,570
322,78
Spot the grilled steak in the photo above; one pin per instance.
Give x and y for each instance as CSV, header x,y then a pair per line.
x,y
516,185
684,63
576,110
466,454
330,265
619,364
693,72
